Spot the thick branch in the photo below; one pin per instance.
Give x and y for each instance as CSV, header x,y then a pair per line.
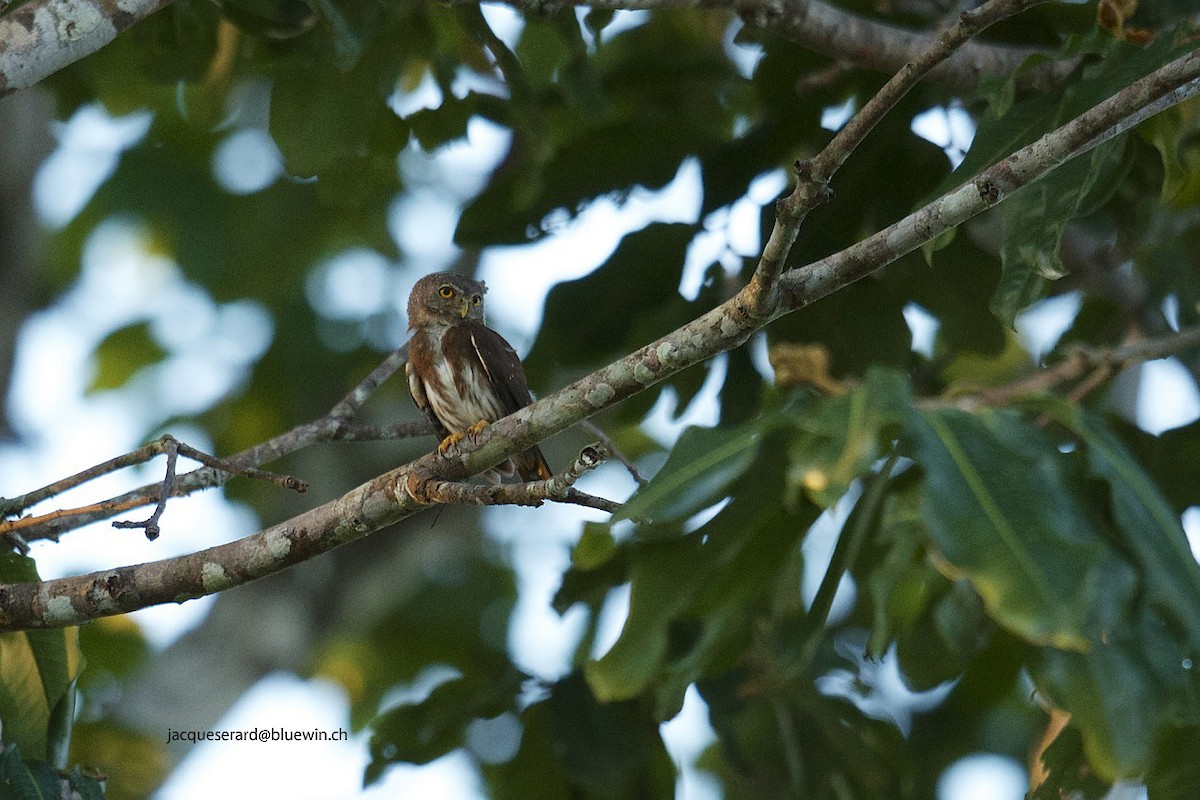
x,y
384,500
43,36
1170,84
863,42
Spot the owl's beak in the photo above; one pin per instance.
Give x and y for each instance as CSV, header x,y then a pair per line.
x,y
465,308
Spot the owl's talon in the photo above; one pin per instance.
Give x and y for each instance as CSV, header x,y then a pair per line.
x,y
476,429
449,442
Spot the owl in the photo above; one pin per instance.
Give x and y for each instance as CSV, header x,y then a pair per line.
x,y
461,373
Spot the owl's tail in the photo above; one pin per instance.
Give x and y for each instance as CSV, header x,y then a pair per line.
x,y
531,465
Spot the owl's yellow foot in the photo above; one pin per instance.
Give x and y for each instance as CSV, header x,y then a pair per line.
x,y
449,442
476,429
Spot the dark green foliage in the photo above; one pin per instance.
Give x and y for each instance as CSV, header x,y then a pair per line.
x,y
1001,558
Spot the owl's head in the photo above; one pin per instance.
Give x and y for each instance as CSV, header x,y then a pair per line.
x,y
445,298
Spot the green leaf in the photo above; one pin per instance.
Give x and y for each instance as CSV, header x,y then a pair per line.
x,y
703,465
1034,219
690,596
580,331
1175,774
274,19
27,780
536,772
1172,458
1124,692
38,670
320,116
1152,533
609,749
1166,131
595,547
840,437
1006,512
121,354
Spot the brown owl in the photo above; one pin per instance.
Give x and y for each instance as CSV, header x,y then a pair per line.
x,y
461,373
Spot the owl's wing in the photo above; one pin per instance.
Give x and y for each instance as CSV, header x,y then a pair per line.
x,y
501,364
508,381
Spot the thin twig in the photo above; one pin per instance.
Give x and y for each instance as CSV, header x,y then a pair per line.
x,y
19,503
168,445
171,448
614,451
349,405
559,488
1091,364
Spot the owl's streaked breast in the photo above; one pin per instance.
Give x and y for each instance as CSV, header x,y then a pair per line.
x,y
457,388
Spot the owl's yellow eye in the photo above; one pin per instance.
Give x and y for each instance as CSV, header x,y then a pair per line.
x,y
446,291
476,300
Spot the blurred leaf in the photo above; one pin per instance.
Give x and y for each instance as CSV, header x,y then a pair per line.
x,y
1172,459
952,631
1152,533
420,733
800,743
1166,131
453,609
274,19
690,595
587,321
1069,774
134,763
27,780
1034,219
702,466
320,117
855,340
114,646
594,548
1005,510
38,670
609,749
1124,692
536,772
121,354
840,437
179,44
1175,774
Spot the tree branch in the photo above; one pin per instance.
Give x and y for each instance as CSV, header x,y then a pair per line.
x,y
425,488
172,447
812,177
1089,365
867,43
43,36
333,426
385,500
